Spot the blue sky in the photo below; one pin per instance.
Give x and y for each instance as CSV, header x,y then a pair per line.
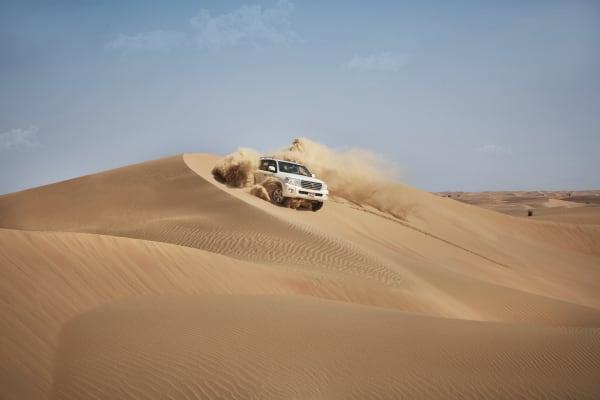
x,y
478,95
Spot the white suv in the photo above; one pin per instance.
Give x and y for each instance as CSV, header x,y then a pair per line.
x,y
285,179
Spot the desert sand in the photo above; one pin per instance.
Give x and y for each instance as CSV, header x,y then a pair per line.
x,y
576,207
158,281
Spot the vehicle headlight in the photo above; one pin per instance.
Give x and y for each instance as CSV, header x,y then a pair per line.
x,y
292,181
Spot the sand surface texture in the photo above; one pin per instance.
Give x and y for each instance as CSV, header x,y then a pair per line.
x,y
155,281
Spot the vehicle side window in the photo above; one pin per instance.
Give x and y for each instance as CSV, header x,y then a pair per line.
x,y
264,165
273,163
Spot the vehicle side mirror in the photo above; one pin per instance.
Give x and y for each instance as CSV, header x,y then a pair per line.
x,y
271,168
313,175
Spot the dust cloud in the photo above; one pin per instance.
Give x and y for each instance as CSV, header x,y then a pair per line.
x,y
237,169
357,176
261,192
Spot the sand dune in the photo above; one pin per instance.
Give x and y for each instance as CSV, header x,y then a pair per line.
x,y
255,347
155,280
51,277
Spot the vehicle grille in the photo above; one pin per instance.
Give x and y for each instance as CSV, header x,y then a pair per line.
x,y
311,185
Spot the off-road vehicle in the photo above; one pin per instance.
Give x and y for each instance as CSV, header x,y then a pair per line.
x,y
288,180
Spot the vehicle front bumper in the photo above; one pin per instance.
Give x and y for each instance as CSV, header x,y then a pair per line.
x,y
301,193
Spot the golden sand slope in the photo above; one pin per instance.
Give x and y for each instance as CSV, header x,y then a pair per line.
x,y
51,277
256,347
166,228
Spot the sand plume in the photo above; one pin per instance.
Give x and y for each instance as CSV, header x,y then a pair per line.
x,y
261,192
237,169
358,176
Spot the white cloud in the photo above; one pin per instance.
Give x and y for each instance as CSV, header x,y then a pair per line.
x,y
155,40
386,61
250,25
494,148
19,139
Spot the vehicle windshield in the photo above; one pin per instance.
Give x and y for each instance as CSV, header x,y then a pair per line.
x,y
293,168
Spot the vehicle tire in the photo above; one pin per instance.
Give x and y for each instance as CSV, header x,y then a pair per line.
x,y
316,206
277,195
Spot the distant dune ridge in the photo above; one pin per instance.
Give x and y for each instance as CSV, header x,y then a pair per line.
x,y
158,280
580,207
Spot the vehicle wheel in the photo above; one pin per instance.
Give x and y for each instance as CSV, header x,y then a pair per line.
x,y
316,206
277,195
